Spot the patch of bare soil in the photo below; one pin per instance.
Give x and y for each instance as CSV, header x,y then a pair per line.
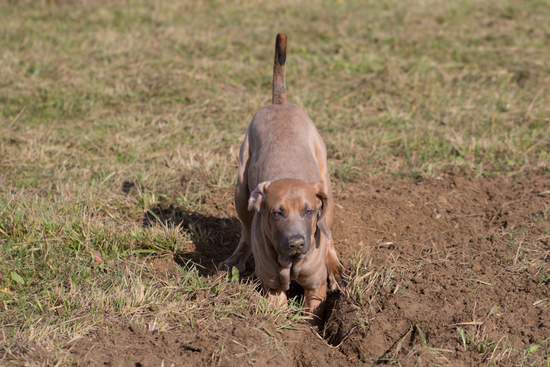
x,y
466,262
134,346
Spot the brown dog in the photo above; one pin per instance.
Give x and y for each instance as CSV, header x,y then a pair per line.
x,y
284,200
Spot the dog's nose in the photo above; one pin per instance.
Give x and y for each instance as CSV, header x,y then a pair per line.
x,y
296,243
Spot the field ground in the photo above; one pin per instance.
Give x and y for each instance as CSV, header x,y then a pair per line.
x,y
120,123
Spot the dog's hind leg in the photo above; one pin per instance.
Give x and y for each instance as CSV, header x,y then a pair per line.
x,y
243,250
242,194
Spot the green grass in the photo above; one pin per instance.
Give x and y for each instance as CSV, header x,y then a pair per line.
x,y
66,269
93,94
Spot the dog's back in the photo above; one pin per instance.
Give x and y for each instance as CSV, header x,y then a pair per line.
x,y
293,145
286,132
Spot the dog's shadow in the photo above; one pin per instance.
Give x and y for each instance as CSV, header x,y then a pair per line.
x,y
213,239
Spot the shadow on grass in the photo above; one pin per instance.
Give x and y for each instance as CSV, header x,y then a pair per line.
x,y
213,239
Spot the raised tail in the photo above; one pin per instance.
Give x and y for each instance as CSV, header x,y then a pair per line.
x,y
279,84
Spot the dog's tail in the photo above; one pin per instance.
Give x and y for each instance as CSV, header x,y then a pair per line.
x,y
279,85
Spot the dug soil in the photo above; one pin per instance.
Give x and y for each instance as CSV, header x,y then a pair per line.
x,y
456,273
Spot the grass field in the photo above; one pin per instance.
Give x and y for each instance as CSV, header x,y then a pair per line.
x,y
109,109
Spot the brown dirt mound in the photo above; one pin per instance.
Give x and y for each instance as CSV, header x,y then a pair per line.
x,y
468,253
457,274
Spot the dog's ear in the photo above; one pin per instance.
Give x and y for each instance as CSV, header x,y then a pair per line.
x,y
322,207
257,196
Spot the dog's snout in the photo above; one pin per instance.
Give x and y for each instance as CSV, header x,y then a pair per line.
x,y
296,243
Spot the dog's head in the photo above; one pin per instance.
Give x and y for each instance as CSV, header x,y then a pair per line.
x,y
293,212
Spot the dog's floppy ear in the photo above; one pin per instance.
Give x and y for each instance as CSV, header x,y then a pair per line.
x,y
322,201
257,196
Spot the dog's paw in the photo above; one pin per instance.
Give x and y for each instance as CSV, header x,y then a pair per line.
x,y
228,264
223,266
338,277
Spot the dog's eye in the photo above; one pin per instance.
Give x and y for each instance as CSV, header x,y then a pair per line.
x,y
277,214
308,212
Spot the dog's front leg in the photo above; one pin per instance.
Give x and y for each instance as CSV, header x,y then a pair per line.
x,y
315,303
276,297
337,273
284,271
284,277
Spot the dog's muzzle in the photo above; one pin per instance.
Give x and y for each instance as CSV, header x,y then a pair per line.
x,y
297,245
